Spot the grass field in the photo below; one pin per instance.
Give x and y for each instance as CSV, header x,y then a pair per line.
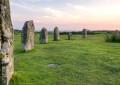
x,y
90,61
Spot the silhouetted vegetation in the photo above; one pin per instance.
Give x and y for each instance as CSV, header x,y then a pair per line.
x,y
73,32
80,32
112,38
16,32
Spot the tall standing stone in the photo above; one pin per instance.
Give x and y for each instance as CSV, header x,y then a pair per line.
x,y
84,33
6,43
69,36
43,36
117,32
56,34
27,36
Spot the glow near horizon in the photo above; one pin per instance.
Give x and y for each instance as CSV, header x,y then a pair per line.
x,y
67,14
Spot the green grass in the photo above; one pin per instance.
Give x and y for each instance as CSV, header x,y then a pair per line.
x,y
16,79
90,61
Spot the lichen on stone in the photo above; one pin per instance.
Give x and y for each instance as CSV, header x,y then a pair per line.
x,y
27,36
1,56
56,34
6,43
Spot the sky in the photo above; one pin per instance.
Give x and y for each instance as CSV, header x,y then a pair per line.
x,y
68,15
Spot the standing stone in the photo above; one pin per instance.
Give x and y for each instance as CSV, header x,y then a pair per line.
x,y
117,32
6,43
69,36
56,34
27,36
44,36
84,33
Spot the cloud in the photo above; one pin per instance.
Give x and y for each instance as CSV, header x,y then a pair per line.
x,y
54,13
35,0
73,14
99,13
47,11
22,6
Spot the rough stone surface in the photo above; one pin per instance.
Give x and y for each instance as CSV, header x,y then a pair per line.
x,y
6,43
43,36
27,36
117,32
69,36
56,34
84,33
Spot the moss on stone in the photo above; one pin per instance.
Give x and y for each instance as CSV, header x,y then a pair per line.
x,y
1,56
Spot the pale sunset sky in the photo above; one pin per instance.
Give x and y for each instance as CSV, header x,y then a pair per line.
x,y
68,15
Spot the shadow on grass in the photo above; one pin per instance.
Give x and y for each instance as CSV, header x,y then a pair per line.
x,y
42,43
70,39
25,52
56,40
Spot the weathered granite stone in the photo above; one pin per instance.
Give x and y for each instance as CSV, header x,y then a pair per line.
x,y
84,33
117,32
43,36
56,34
27,36
6,43
69,36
